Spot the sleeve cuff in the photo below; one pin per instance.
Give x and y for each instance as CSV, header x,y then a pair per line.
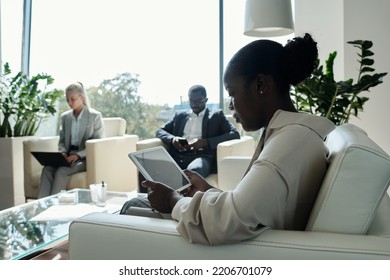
x,y
180,206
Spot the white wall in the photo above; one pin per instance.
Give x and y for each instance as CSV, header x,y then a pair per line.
x,y
335,22
370,20
323,19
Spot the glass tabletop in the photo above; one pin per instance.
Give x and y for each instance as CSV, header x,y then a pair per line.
x,y
21,235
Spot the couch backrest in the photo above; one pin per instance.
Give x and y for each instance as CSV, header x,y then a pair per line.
x,y
356,181
114,127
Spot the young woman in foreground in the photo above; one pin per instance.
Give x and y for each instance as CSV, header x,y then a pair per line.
x,y
289,164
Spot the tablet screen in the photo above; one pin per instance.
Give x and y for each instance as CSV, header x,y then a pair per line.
x,y
157,164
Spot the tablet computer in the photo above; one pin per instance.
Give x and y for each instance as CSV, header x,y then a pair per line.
x,y
55,159
157,164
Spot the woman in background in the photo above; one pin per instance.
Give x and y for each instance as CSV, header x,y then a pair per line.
x,y
78,125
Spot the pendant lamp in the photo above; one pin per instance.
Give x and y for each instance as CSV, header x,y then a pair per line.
x,y
268,18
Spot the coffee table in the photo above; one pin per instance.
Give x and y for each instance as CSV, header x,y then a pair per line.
x,y
23,236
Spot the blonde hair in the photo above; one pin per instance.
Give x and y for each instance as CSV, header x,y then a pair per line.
x,y
79,89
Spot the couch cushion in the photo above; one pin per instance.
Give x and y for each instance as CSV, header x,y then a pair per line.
x,y
78,180
355,183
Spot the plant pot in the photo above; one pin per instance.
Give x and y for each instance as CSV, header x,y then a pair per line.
x,y
11,171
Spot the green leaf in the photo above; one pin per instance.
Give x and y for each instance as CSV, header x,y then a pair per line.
x,y
356,42
329,65
367,45
367,61
366,53
367,69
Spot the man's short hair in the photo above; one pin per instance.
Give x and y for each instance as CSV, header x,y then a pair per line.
x,y
198,88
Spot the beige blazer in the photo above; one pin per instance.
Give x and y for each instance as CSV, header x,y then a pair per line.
x,y
278,191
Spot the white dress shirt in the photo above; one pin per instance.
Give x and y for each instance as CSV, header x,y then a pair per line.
x,y
193,127
75,141
278,191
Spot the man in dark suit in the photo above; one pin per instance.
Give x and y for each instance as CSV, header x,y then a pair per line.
x,y
203,129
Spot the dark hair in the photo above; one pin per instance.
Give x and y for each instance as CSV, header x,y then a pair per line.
x,y
288,65
198,88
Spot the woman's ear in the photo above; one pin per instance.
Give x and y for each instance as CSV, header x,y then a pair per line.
x,y
261,84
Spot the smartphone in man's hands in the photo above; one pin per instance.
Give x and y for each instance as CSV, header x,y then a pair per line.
x,y
183,141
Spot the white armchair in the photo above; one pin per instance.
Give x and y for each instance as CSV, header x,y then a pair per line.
x,y
350,219
106,160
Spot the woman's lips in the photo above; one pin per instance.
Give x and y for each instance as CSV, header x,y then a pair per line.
x,y
237,118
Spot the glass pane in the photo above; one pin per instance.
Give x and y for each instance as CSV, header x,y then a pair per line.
x,y
155,49
11,33
234,38
166,46
23,232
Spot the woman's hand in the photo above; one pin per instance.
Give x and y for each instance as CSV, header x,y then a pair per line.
x,y
199,184
72,158
161,197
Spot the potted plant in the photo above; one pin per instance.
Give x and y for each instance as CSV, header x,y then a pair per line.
x,y
25,102
320,94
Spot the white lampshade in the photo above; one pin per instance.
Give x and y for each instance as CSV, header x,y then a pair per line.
x,y
268,18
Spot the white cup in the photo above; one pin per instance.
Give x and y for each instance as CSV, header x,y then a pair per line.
x,y
94,193
98,193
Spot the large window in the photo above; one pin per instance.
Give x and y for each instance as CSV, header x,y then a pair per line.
x,y
11,33
163,47
171,44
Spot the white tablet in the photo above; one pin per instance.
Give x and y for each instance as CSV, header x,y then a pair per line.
x,y
158,165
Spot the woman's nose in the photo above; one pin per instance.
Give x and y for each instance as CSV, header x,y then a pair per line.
x,y
231,107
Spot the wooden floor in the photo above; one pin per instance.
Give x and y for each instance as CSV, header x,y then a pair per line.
x,y
59,252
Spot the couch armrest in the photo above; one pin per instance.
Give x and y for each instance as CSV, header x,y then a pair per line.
x,y
231,170
381,223
245,146
130,237
108,161
149,143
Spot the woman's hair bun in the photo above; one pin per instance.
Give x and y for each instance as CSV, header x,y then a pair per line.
x,y
299,59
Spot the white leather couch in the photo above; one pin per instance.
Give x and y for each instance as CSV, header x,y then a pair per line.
x,y
107,160
350,219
